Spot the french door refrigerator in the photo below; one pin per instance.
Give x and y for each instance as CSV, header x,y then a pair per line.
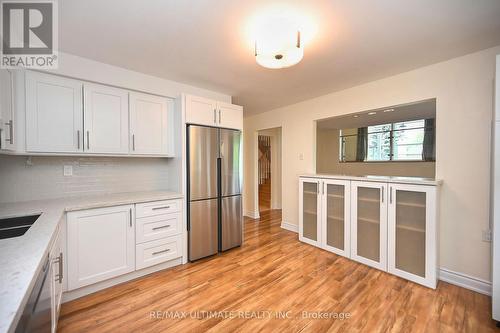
x,y
214,190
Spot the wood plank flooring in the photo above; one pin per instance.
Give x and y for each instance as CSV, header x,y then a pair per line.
x,y
266,285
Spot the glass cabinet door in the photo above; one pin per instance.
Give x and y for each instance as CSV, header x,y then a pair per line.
x,y
409,224
309,226
336,220
369,223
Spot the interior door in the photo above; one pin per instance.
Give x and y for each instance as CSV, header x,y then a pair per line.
x,y
369,223
310,211
149,125
336,216
202,161
231,166
230,115
201,111
106,119
231,222
54,114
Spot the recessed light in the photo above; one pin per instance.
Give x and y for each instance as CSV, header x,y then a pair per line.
x,y
355,116
389,110
371,113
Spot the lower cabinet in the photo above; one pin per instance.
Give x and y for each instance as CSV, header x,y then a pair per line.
x,y
388,226
101,244
56,276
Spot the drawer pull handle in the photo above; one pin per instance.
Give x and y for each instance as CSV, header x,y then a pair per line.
x,y
162,207
162,227
159,252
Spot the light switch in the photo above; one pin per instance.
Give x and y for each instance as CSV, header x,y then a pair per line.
x,y
301,156
68,170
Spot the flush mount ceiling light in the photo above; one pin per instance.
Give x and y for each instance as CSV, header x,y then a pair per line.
x,y
279,37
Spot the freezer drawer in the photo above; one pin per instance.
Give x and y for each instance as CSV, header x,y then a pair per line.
x,y
203,153
203,221
230,154
231,222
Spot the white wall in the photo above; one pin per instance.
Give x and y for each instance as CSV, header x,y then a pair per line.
x,y
463,88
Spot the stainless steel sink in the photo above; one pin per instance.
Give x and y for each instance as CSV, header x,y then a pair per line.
x,y
16,226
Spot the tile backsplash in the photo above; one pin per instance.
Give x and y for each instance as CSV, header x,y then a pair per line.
x,y
37,178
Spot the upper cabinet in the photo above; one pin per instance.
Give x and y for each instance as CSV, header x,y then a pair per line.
x,y
6,111
106,124
204,111
149,125
54,114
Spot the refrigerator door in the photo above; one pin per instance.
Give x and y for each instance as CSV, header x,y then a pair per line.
x,y
231,222
203,153
230,154
203,223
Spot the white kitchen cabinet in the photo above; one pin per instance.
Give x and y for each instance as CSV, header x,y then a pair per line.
x,y
412,230
54,114
150,125
7,141
369,223
335,218
101,244
106,125
57,276
230,115
310,211
208,112
201,111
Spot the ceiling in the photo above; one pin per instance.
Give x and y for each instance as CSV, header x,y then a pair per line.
x,y
205,42
391,114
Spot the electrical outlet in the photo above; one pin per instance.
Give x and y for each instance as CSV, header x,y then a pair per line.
x,y
301,156
487,235
68,170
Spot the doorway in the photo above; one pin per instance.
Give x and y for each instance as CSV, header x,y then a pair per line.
x,y
269,169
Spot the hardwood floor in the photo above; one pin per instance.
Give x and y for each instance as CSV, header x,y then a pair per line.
x,y
274,272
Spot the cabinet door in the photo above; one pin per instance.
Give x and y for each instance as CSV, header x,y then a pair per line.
x,y
369,223
149,125
201,111
412,233
6,111
54,114
309,211
230,115
336,216
101,245
56,258
106,120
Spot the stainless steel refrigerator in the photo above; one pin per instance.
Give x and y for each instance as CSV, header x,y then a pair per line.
x,y
214,190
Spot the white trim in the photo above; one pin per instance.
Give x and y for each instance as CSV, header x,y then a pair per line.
x,y
289,226
465,281
252,215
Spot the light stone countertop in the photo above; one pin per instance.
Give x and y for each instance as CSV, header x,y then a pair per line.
x,y
22,258
385,179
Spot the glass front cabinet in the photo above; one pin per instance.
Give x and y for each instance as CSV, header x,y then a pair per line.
x,y
388,226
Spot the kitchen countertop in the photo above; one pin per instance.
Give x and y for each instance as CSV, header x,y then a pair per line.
x,y
386,179
21,258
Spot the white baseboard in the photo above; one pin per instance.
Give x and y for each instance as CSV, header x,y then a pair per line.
x,y
465,281
252,215
289,226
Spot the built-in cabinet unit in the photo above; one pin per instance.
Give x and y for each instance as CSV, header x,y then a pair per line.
x,y
386,223
101,244
57,115
57,275
7,120
204,111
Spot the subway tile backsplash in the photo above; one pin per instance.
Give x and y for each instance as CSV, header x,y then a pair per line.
x,y
38,178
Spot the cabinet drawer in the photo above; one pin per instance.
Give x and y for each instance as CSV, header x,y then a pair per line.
x,y
157,227
157,208
158,251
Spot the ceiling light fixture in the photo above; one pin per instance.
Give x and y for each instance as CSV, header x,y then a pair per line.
x,y
372,113
389,110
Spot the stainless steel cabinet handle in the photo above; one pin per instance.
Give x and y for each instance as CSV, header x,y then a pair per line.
x,y
130,220
59,261
1,130
390,195
215,116
162,227
133,141
220,117
382,194
88,140
78,139
162,207
11,133
158,252
323,188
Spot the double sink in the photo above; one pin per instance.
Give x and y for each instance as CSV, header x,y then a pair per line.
x,y
16,226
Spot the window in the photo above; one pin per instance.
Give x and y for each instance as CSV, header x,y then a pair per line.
x,y
402,141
